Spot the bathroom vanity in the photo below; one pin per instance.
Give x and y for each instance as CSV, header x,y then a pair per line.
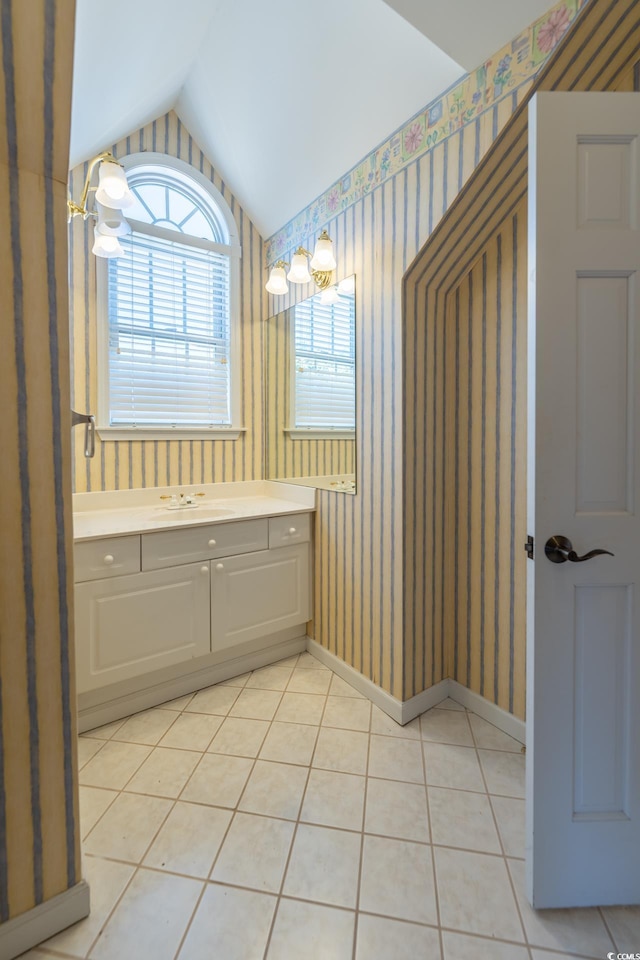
x,y
172,598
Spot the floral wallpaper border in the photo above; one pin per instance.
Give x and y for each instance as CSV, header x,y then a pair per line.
x,y
516,63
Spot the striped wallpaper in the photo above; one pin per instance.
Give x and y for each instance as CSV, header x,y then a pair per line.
x,y
285,457
39,850
361,566
364,558
484,416
139,463
460,105
464,365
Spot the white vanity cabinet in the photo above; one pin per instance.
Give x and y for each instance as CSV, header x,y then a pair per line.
x,y
161,604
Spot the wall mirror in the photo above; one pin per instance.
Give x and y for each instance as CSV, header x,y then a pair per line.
x,y
310,401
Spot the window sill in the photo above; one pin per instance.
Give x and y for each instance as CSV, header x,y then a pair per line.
x,y
169,433
301,433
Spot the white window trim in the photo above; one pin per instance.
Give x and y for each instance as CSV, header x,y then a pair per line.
x,y
313,433
234,430
170,433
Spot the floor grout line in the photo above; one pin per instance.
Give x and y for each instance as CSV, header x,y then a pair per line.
x,y
504,856
436,893
233,814
293,840
362,839
329,700
608,929
309,823
139,866
484,938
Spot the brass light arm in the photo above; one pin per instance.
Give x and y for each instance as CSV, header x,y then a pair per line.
x,y
80,209
321,278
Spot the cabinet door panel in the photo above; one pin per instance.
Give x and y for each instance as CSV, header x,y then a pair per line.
x,y
257,594
132,625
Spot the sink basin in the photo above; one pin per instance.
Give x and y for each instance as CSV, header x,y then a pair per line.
x,y
193,515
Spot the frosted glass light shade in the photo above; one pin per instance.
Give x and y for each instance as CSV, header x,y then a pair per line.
x,y
299,270
330,295
111,223
113,189
277,282
323,258
105,246
347,287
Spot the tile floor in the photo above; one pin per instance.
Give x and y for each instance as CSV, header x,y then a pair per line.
x,y
280,815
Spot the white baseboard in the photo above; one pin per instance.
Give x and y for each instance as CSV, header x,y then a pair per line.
x,y
95,715
390,705
402,711
500,718
31,928
425,701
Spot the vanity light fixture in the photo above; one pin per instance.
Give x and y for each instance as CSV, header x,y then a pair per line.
x,y
322,265
112,196
299,269
277,282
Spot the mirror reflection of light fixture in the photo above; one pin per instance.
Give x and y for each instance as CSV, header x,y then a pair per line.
x,y
329,295
347,286
322,265
112,195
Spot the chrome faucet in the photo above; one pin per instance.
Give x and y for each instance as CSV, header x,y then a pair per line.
x,y
89,430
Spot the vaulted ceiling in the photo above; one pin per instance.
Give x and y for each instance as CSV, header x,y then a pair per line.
x,y
283,98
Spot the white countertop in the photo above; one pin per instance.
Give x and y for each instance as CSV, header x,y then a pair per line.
x,y
337,483
121,512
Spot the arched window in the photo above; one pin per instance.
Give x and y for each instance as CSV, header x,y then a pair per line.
x,y
168,305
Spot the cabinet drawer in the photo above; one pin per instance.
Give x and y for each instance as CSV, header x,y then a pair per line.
x,y
97,559
285,531
169,548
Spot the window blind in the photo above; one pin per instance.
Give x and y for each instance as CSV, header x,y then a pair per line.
x,y
324,381
169,334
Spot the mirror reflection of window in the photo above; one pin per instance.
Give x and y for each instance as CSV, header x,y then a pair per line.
x,y
310,405
323,381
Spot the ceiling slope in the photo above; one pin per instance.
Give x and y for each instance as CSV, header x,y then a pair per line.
x,y
283,99
130,61
470,32
284,104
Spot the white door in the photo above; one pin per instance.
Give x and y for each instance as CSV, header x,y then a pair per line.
x,y
583,632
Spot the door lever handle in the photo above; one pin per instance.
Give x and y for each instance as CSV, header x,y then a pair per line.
x,y
559,549
89,430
